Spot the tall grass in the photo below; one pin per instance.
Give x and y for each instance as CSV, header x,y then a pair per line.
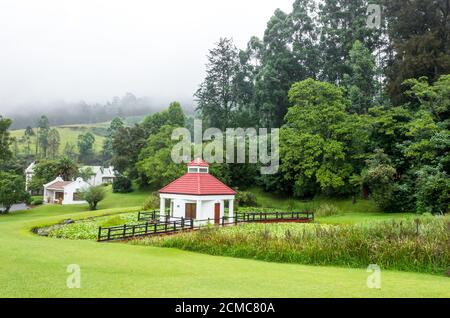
x,y
420,245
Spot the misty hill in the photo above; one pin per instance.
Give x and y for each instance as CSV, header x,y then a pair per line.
x,y
63,113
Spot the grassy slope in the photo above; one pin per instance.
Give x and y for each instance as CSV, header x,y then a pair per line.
x,y
32,266
67,134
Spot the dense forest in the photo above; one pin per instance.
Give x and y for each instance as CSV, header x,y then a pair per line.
x,y
361,110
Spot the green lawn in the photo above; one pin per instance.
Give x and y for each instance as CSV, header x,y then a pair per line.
x,y
33,266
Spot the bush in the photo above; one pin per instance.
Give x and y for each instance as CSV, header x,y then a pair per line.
x,y
93,196
151,203
122,184
325,210
246,199
37,201
433,190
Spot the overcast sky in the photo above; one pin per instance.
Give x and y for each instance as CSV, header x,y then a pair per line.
x,y
95,49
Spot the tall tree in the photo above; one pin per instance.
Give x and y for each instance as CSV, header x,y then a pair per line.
x,y
42,137
216,97
419,42
360,79
28,134
342,23
107,151
86,147
321,145
5,141
54,142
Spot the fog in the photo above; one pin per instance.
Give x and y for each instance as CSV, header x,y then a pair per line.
x,y
72,50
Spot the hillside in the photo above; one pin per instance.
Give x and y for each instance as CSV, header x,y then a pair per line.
x,y
68,134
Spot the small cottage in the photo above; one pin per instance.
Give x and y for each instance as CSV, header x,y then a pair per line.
x,y
59,191
197,195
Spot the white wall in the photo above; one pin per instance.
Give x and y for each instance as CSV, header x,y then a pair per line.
x,y
72,188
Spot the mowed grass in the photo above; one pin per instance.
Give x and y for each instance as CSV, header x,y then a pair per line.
x,y
68,134
34,266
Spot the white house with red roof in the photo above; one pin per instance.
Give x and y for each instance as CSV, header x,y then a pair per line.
x,y
59,191
197,195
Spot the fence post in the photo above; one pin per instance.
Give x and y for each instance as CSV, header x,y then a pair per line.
x,y
192,223
174,226
236,219
146,227
182,223
223,220
154,228
165,226
109,234
99,233
139,215
133,228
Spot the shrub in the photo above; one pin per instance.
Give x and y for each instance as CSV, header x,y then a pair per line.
x,y
433,190
122,184
93,196
246,199
37,201
325,210
151,203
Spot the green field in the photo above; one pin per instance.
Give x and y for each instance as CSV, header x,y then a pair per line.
x,y
34,266
68,134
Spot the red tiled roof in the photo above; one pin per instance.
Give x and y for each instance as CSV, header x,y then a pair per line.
x,y
198,162
197,184
58,185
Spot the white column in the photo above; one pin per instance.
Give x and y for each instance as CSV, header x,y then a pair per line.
x,y
162,209
222,206
198,211
230,210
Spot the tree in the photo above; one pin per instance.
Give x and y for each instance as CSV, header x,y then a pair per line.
x,y
28,134
42,137
122,184
216,97
173,116
419,43
127,144
70,151
93,195
86,173
321,145
380,178
12,190
86,147
433,190
434,98
5,141
53,143
360,79
342,23
155,161
107,151
47,170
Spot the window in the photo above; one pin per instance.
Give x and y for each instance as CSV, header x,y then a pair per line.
x,y
193,170
203,170
77,196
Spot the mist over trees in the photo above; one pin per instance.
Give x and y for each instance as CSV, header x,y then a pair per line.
x,y
62,113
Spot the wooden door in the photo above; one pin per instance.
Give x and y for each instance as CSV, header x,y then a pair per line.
x,y
191,211
217,213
